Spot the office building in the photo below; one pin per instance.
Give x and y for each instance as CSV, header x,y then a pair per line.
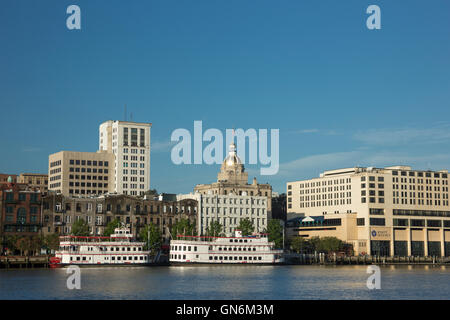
x,y
130,144
81,173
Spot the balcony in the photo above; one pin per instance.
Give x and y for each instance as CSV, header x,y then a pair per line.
x,y
100,224
59,223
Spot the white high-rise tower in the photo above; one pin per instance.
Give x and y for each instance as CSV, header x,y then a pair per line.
x,y
130,143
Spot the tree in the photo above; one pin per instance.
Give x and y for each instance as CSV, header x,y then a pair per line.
x,y
10,243
214,229
183,227
109,230
80,228
300,245
153,242
329,244
275,231
23,244
51,241
36,244
246,227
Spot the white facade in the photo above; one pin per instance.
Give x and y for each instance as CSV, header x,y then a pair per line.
x,y
130,143
229,210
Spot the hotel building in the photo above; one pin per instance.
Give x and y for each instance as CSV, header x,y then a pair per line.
x,y
381,211
130,144
81,173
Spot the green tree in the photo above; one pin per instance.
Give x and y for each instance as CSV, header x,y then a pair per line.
x,y
10,242
109,230
183,227
23,244
246,227
329,244
214,229
153,242
51,241
80,228
275,231
300,245
36,244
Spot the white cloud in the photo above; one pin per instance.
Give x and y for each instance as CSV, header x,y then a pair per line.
x,y
162,146
394,137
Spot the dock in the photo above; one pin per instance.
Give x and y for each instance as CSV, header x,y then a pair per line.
x,y
19,262
323,259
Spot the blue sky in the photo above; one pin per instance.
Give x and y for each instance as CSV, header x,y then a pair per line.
x,y
341,95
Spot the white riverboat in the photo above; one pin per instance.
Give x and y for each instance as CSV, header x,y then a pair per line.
x,y
118,249
254,249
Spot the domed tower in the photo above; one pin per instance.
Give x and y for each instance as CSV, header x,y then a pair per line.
x,y
232,169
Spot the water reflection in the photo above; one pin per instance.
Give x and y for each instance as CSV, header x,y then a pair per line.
x,y
229,282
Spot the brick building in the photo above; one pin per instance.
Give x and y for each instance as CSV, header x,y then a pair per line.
x,y
60,212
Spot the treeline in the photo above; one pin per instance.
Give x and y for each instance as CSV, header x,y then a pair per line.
x,y
30,245
319,245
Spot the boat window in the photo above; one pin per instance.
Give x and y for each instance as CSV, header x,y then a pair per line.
x,y
235,258
220,248
240,258
215,258
128,249
118,258
113,258
231,240
210,258
259,258
189,248
184,256
254,249
240,240
245,241
249,258
244,249
195,248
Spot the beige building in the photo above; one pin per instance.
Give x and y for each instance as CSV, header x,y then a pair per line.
x,y
35,180
81,173
232,179
385,211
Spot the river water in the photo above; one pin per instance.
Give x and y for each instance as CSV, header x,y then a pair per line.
x,y
229,282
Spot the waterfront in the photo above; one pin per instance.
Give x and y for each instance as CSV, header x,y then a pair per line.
x,y
229,282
